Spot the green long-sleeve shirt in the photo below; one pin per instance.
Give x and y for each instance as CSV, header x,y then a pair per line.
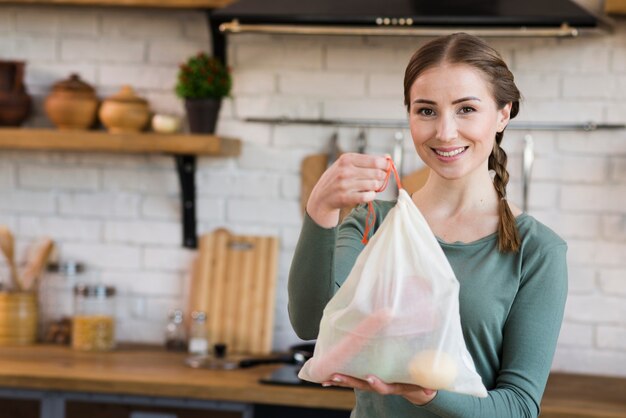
x,y
511,308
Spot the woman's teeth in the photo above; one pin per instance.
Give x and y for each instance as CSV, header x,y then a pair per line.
x,y
450,153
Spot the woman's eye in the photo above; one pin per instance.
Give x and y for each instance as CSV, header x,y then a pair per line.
x,y
425,111
466,109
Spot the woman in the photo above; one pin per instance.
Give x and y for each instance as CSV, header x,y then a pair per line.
x,y
460,96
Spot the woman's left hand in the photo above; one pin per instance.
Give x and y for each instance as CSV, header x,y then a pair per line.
x,y
413,393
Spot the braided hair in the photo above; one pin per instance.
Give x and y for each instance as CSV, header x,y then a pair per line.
x,y
462,48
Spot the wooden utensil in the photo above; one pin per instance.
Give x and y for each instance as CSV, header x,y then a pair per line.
x,y
7,245
615,7
414,181
36,264
311,170
234,283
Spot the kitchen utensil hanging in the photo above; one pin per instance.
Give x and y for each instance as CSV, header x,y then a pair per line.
x,y
361,142
528,158
398,150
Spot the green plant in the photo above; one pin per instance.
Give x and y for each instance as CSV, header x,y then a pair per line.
x,y
203,77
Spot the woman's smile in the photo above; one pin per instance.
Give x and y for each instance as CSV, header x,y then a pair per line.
x,y
449,153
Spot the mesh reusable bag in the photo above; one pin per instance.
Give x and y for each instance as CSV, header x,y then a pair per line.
x,y
397,314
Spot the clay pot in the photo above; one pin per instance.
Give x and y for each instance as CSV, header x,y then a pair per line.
x,y
124,112
72,104
15,103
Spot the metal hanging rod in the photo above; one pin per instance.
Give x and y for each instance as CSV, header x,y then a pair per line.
x,y
563,31
391,124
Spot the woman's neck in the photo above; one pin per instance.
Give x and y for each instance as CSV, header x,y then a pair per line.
x,y
450,198
461,210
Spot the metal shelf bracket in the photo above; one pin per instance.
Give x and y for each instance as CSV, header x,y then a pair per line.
x,y
186,167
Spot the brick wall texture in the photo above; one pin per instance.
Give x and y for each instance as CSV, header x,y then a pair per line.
x,y
120,214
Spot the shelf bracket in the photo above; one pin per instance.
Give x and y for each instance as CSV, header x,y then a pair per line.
x,y
218,39
186,167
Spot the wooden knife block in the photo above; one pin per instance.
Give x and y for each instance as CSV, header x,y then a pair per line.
x,y
234,282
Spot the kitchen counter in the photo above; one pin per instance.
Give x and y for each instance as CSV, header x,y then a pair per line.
x,y
148,371
152,372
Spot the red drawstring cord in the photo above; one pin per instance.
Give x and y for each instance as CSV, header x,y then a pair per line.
x,y
370,219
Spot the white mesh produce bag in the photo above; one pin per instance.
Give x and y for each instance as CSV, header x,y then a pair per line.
x,y
397,314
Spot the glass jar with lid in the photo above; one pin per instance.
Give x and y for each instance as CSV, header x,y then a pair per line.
x,y
93,323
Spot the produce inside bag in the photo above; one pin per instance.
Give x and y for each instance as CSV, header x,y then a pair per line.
x,y
397,314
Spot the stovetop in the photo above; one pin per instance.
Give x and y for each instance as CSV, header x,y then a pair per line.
x,y
287,375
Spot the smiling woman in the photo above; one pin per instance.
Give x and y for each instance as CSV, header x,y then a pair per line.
x,y
460,96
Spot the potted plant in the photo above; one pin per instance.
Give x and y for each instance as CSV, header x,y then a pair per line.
x,y
202,82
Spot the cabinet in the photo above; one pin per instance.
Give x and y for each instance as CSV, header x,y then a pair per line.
x,y
20,408
53,404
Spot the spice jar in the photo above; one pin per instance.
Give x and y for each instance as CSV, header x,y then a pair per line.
x,y
198,334
175,335
93,324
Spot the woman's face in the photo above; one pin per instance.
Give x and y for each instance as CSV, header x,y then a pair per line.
x,y
454,119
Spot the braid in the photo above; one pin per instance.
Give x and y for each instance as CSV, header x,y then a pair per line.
x,y
508,235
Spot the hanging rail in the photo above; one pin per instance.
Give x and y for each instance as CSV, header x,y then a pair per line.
x,y
391,124
563,31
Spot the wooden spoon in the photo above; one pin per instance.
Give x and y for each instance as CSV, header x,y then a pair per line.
x,y
36,264
7,245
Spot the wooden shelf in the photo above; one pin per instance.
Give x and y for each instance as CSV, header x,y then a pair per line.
x,y
100,141
180,4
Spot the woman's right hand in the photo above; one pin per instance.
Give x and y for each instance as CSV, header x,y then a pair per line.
x,y
351,180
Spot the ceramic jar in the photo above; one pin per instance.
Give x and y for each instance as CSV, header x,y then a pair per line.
x,y
72,104
124,112
15,103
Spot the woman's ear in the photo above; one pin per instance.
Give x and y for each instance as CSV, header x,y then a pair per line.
x,y
504,115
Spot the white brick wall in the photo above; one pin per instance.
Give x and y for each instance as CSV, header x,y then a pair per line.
x,y
121,213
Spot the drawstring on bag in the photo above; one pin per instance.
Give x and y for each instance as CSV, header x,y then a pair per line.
x,y
370,219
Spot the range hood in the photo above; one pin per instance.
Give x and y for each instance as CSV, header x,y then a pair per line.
x,y
553,18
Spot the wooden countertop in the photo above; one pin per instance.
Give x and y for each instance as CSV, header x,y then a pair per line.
x,y
152,372
155,372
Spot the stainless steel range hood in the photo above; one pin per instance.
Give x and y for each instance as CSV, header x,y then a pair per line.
x,y
520,18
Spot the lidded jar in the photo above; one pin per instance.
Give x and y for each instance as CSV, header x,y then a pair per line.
x,y
72,104
124,112
93,324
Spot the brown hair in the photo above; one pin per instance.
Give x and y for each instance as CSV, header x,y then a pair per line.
x,y
461,48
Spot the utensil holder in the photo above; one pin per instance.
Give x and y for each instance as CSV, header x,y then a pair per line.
x,y
19,315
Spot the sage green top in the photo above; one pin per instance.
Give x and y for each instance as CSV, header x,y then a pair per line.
x,y
511,308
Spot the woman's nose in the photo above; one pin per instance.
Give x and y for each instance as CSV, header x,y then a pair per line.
x,y
446,129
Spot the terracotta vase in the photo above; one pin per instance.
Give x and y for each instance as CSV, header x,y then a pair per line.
x,y
72,104
15,103
124,112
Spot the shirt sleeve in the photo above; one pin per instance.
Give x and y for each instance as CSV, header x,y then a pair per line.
x,y
310,283
529,340
321,263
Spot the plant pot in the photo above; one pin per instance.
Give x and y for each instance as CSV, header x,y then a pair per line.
x,y
202,114
18,318
72,104
124,112
15,103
